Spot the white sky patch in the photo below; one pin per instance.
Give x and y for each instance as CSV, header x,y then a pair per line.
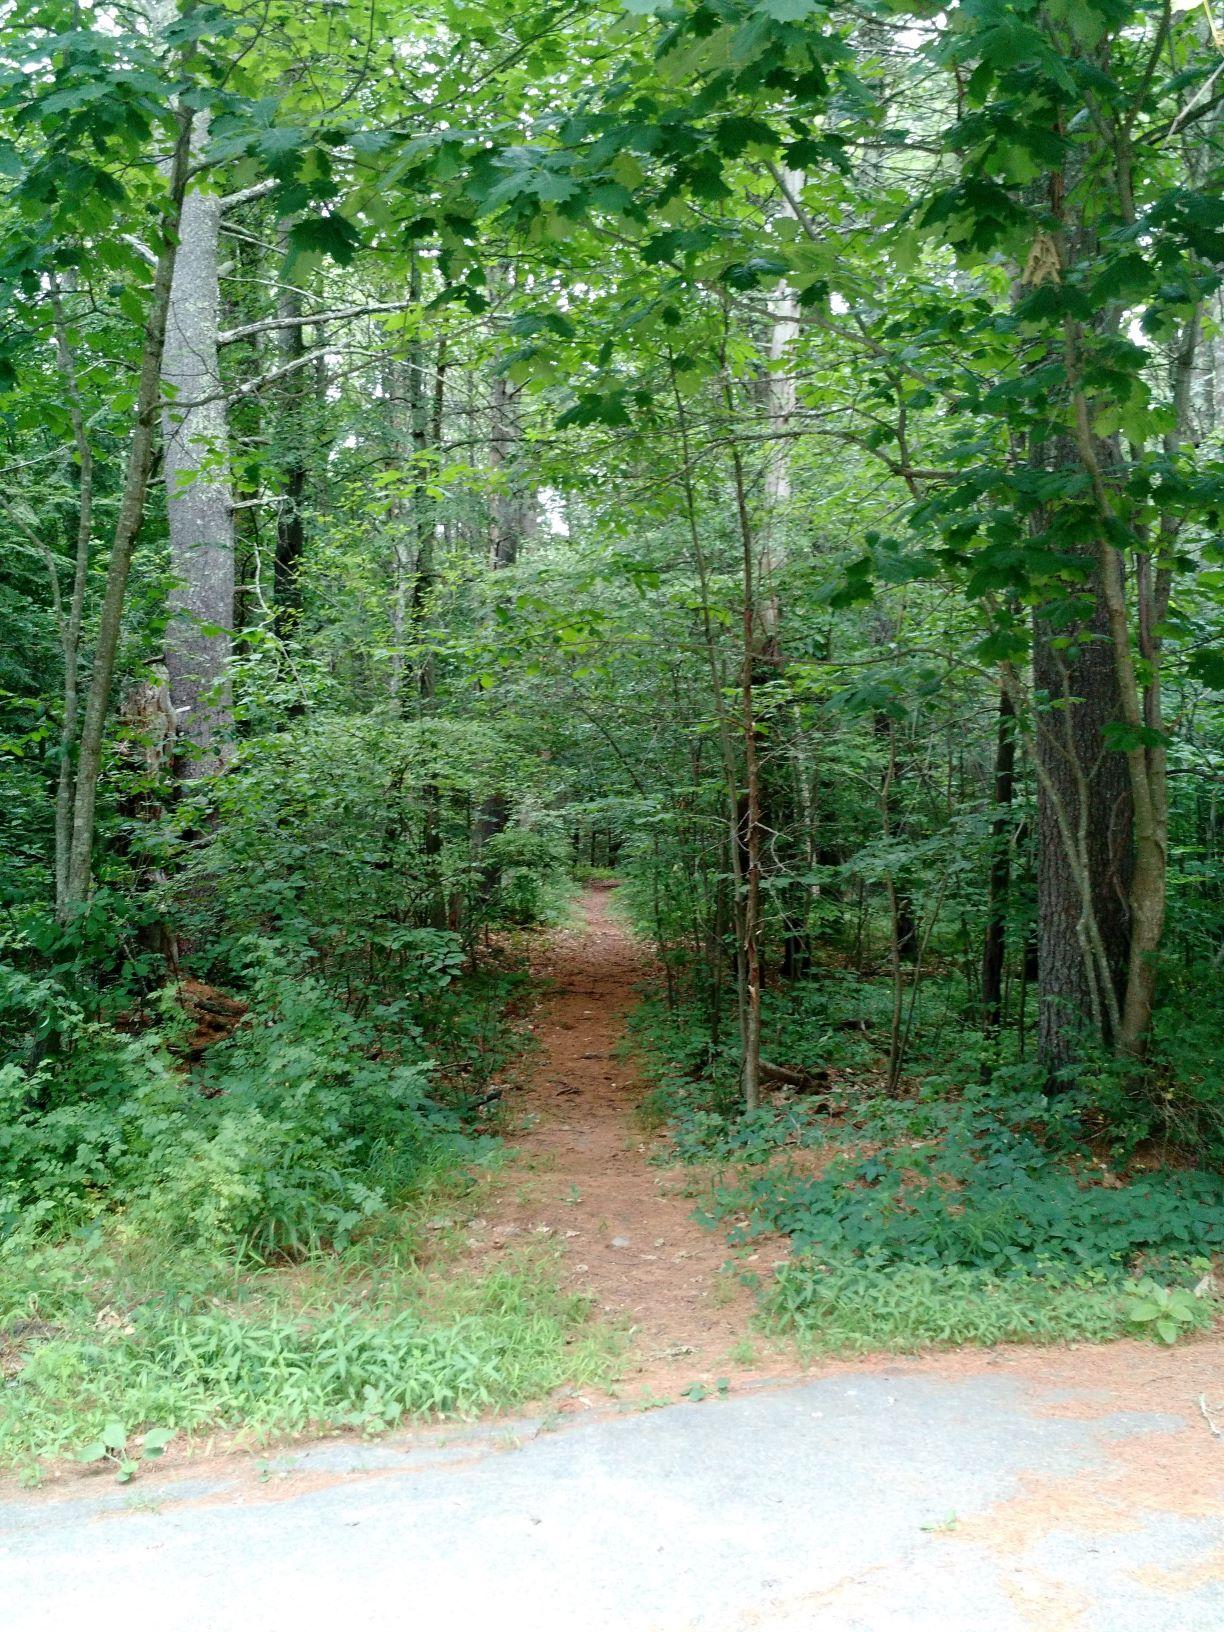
x,y
552,509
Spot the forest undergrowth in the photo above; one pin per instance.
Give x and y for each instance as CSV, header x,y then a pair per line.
x,y
253,1233
203,1254
967,1207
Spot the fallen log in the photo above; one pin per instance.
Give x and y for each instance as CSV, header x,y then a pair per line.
x,y
806,1082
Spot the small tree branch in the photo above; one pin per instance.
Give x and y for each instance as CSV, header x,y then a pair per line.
x,y
142,249
305,319
248,195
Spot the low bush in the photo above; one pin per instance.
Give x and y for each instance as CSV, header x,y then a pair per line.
x,y
291,1134
985,1194
964,1212
855,1307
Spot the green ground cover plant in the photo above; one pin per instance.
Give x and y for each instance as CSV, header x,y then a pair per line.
x,y
940,1215
104,1331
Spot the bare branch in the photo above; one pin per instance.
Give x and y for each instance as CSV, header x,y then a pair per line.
x,y
248,195
343,314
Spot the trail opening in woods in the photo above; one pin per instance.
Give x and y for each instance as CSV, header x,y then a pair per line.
x,y
611,706
625,1226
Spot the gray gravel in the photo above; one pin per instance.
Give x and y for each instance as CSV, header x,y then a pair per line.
x,y
830,1504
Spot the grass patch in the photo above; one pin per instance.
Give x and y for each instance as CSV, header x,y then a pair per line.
x,y
91,1335
855,1308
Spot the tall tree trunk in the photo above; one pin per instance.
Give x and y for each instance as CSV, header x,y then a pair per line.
x,y
795,900
718,697
198,497
994,949
1085,815
290,516
1084,826
781,399
508,527
428,440
752,826
72,617
513,500
127,526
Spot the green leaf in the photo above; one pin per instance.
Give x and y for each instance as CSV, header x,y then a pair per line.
x,y
592,408
1208,666
787,11
1124,739
554,187
333,235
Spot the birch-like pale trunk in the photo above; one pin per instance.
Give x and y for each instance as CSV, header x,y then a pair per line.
x,y
780,403
199,501
71,618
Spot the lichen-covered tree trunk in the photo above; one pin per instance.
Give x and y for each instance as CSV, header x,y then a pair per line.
x,y
198,494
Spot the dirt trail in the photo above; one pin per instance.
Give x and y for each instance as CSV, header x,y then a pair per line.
x,y
582,1169
582,1174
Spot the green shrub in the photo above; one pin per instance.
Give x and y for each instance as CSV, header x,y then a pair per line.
x,y
986,1195
294,1132
360,840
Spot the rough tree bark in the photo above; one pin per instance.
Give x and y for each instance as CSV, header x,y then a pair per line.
x,y
994,948
1084,826
199,502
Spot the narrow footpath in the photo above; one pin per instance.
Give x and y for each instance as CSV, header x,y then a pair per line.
x,y
581,1172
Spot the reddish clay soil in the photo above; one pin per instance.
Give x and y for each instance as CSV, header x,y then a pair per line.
x,y
581,1173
